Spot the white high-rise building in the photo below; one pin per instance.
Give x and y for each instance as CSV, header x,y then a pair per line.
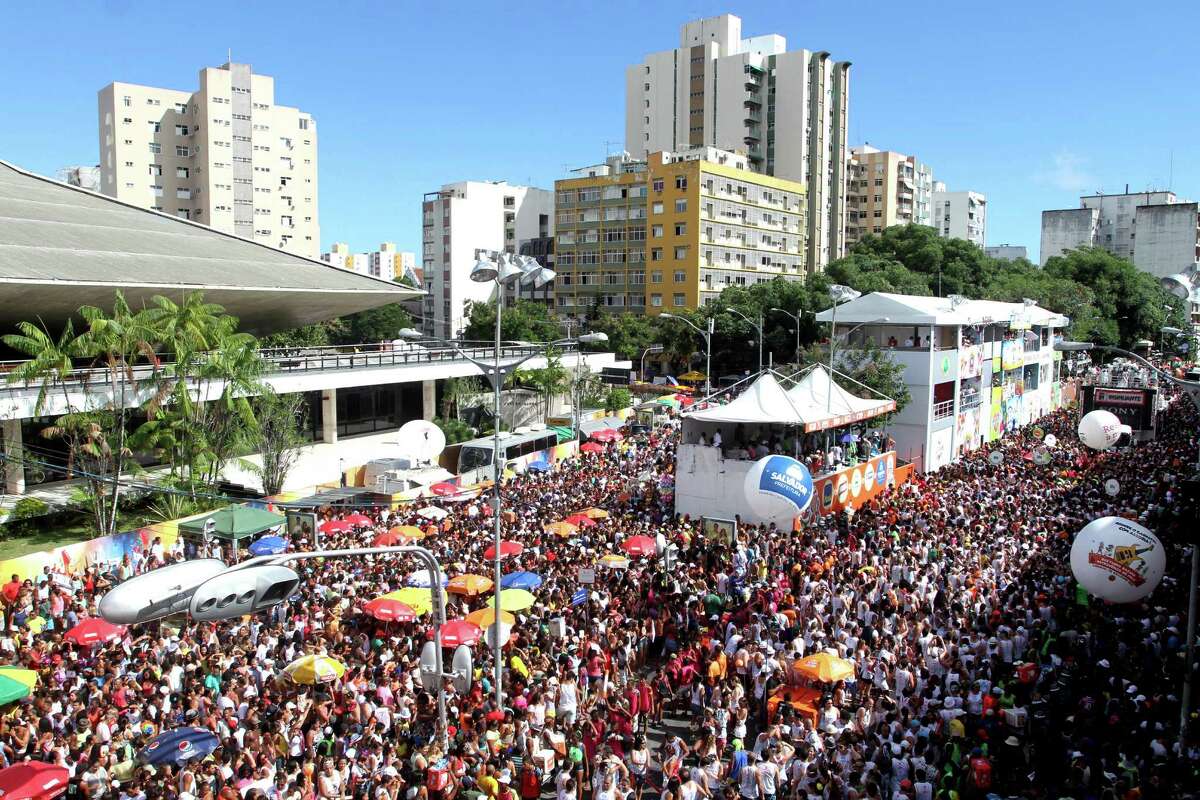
x,y
960,215
387,262
786,110
461,219
1157,231
225,155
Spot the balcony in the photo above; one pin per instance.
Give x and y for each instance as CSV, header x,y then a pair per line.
x,y
943,409
752,100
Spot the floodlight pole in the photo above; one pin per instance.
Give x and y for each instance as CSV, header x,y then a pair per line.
x,y
707,333
1192,390
757,326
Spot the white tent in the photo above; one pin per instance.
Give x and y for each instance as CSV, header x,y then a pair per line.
x,y
763,402
823,404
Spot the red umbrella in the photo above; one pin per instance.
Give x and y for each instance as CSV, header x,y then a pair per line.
x,y
359,519
390,539
581,520
591,447
33,780
507,548
459,631
639,546
334,526
94,630
607,435
444,489
389,610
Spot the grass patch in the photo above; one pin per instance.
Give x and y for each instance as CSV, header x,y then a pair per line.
x,y
45,538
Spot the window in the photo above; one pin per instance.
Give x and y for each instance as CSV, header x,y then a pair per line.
x,y
656,207
677,299
181,130
155,170
181,108
656,231
681,253
127,121
183,213
127,100
680,205
181,172
656,300
680,228
680,181
155,147
156,126
680,276
879,181
656,254
658,182
656,276
157,190
303,124
878,213
182,151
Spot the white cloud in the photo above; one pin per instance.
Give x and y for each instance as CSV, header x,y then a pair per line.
x,y
1068,173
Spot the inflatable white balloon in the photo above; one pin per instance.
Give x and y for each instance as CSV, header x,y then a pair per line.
x,y
1100,429
1050,440
778,486
1117,560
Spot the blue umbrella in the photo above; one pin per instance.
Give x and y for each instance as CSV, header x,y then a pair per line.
x,y
539,466
179,746
521,580
268,546
849,437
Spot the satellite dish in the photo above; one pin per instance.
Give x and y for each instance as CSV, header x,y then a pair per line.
x,y
1112,487
1050,440
1042,457
1038,433
429,672
501,629
422,439
995,458
463,667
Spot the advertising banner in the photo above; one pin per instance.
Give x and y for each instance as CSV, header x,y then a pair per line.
x,y
1012,354
970,362
855,485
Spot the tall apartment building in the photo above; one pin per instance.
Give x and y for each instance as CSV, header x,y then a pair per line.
x,y
225,155
885,189
83,177
785,110
387,262
459,220
959,215
673,231
1007,252
1157,231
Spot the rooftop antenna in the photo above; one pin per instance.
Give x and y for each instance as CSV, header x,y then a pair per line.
x,y
608,143
229,55
1170,169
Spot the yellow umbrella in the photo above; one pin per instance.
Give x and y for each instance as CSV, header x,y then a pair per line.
x,y
419,600
484,617
28,677
824,667
411,531
515,600
595,513
469,585
311,670
36,624
563,529
614,561
692,377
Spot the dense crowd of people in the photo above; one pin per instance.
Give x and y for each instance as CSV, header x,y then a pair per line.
x,y
978,667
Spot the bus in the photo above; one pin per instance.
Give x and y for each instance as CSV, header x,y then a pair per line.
x,y
518,449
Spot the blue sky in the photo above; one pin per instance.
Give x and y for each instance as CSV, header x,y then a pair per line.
x,y
1028,102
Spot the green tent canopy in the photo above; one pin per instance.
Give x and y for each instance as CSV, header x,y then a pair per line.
x,y
235,522
564,433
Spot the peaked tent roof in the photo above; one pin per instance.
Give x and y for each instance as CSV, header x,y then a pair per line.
x,y
764,401
235,522
825,404
63,246
907,309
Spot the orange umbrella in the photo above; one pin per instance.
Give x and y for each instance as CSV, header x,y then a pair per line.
x,y
595,513
563,529
469,585
484,617
823,667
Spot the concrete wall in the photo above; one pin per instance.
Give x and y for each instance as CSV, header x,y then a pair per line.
x,y
1068,229
1166,238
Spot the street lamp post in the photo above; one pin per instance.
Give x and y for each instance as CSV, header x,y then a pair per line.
x,y
1192,390
795,318
252,586
707,333
758,326
1166,330
838,294
503,268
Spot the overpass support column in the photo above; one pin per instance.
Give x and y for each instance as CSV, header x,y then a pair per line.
x,y
14,471
428,399
329,420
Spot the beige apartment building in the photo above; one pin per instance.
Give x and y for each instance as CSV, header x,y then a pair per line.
x,y
224,155
886,188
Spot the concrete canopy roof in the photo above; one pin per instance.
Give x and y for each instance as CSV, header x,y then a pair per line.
x,y
62,247
904,309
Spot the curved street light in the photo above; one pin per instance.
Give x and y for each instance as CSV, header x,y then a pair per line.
x,y
758,326
707,334
795,318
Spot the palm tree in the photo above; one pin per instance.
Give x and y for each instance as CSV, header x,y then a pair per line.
x,y
51,361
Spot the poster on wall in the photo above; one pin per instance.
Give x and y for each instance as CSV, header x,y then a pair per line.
x,y
970,362
1012,354
940,449
997,424
855,485
966,430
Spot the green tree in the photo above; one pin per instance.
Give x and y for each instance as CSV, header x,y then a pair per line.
x,y
618,397
317,334
455,430
374,325
628,334
278,437
454,391
523,321
550,380
959,266
1021,279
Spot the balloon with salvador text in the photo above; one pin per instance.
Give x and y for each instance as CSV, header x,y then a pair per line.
x,y
778,486
1117,560
1100,429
